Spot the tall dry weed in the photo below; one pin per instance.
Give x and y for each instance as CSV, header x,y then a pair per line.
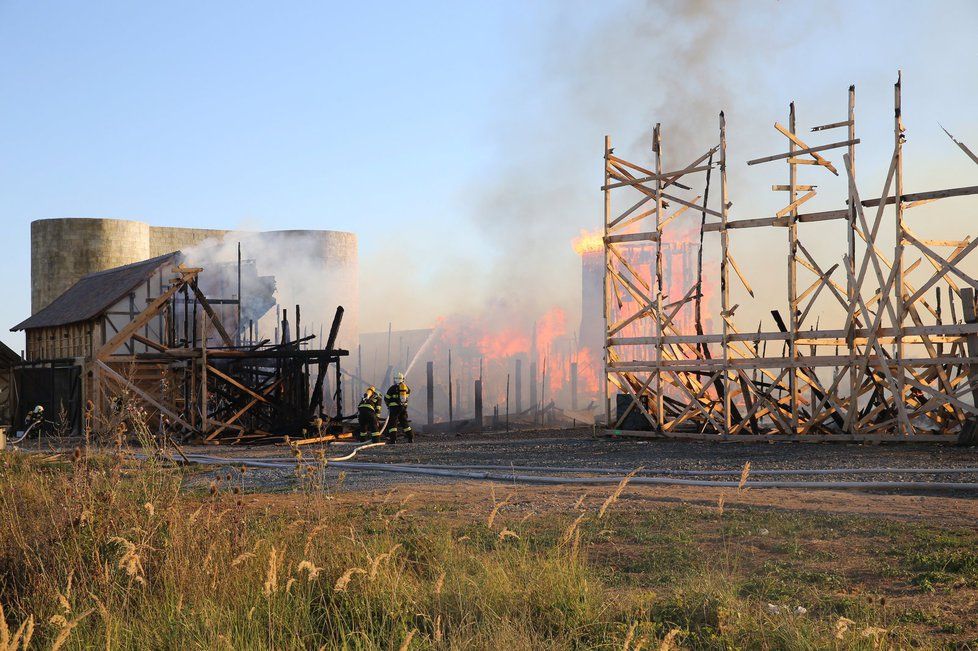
x,y
66,627
617,492
271,574
21,638
407,640
571,531
376,561
344,581
744,474
669,641
496,508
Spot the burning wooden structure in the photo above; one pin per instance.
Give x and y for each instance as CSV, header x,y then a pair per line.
x,y
144,336
896,367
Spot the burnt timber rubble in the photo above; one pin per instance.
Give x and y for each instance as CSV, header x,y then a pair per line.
x,y
196,376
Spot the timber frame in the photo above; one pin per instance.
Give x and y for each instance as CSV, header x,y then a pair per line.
x,y
898,368
204,392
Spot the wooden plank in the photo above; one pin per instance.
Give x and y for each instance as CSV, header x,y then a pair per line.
x,y
225,337
834,125
968,308
698,208
844,214
123,381
149,343
945,266
141,319
967,152
801,152
657,177
799,143
794,204
632,237
787,188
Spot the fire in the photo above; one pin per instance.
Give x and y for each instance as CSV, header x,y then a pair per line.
x,y
549,327
588,242
503,344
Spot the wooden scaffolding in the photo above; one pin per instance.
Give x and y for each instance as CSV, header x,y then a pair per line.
x,y
897,367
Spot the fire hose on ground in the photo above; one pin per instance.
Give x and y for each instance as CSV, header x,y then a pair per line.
x,y
614,476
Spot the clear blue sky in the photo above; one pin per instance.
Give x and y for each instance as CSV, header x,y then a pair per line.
x,y
418,124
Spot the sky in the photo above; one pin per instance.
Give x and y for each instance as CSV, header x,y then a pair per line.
x,y
461,141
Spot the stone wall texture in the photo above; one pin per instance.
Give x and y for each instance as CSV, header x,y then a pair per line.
x,y
64,250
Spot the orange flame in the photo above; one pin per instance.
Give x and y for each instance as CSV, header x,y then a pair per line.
x,y
588,242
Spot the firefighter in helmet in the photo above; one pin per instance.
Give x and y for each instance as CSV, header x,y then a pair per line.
x,y
369,412
397,409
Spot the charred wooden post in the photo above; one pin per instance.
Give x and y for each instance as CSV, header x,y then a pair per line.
x,y
458,397
430,391
478,404
507,402
573,385
534,405
518,385
968,309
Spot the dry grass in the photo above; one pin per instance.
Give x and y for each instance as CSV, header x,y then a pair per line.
x,y
619,489
112,553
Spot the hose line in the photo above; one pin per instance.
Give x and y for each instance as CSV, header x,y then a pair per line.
x,y
458,473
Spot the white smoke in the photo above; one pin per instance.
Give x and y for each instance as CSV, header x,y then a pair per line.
x,y
305,271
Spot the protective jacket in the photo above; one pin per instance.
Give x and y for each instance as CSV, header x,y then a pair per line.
x,y
397,395
370,401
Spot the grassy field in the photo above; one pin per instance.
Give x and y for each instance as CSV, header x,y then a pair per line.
x,y
109,553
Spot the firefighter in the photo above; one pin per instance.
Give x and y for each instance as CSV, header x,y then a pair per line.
x,y
397,410
369,413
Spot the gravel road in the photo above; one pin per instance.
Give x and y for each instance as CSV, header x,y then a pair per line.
x,y
579,448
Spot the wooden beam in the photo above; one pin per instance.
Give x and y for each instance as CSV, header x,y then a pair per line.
x,y
142,318
122,380
204,303
800,152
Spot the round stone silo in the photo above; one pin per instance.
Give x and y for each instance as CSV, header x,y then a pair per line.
x,y
317,270
64,250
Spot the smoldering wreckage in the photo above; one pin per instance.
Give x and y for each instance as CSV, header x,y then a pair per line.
x,y
209,355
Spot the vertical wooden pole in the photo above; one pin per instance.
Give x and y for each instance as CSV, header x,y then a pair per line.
x,y
533,390
724,275
657,150
203,374
543,386
458,397
968,309
898,353
573,383
430,368
507,402
478,404
792,275
298,317
851,418
518,386
451,408
339,387
237,334
605,286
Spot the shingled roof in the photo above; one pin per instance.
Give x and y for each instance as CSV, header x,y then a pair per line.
x,y
94,294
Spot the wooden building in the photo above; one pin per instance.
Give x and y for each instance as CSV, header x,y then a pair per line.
x,y
146,336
